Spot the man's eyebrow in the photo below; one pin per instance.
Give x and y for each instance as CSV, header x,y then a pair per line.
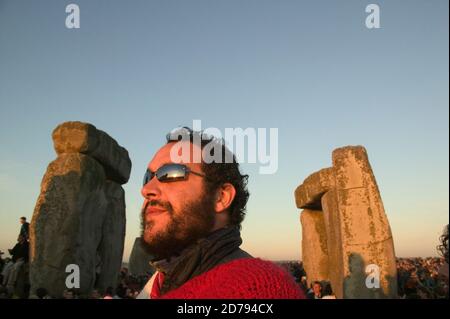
x,y
164,163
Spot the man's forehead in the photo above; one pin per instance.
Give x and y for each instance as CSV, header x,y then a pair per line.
x,y
183,149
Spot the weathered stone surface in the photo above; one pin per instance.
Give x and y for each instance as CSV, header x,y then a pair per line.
x,y
309,193
365,230
139,263
79,218
79,137
314,245
334,241
357,229
110,249
64,229
351,232
355,275
352,168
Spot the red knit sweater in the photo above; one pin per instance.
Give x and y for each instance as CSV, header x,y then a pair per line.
x,y
246,278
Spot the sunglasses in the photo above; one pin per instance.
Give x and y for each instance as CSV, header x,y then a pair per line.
x,y
170,173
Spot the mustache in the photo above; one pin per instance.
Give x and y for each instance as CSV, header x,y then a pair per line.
x,y
164,205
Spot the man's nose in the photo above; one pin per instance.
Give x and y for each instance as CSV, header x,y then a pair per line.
x,y
151,190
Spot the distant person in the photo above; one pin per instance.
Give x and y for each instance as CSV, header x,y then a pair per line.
x,y
4,293
25,228
6,270
121,292
108,293
304,284
2,261
42,293
316,291
20,250
95,294
68,294
328,292
129,293
19,255
124,272
410,290
443,250
191,220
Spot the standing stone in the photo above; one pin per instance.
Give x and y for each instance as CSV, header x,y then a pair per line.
x,y
309,193
365,232
79,216
78,137
314,246
334,242
110,249
139,264
357,230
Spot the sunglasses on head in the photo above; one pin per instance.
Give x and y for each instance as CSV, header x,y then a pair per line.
x,y
170,173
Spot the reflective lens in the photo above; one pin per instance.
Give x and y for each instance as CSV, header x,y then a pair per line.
x,y
171,172
167,173
147,177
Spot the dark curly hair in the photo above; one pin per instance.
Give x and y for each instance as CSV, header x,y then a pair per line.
x,y
218,173
443,247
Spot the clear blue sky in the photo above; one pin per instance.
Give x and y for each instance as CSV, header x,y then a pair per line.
x,y
137,69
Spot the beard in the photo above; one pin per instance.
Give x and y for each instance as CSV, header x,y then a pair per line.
x,y
185,227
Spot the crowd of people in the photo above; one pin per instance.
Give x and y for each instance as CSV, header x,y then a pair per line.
x,y
417,278
128,288
316,290
14,269
421,278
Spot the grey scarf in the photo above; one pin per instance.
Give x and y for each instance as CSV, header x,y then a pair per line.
x,y
219,247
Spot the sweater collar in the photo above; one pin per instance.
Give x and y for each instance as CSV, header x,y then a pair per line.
x,y
198,258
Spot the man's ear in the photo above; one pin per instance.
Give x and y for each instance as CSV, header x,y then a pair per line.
x,y
224,198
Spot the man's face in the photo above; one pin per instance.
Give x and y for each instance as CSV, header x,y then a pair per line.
x,y
68,294
95,294
317,289
22,221
175,214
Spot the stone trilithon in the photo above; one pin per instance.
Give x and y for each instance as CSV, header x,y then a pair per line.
x,y
345,229
79,216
